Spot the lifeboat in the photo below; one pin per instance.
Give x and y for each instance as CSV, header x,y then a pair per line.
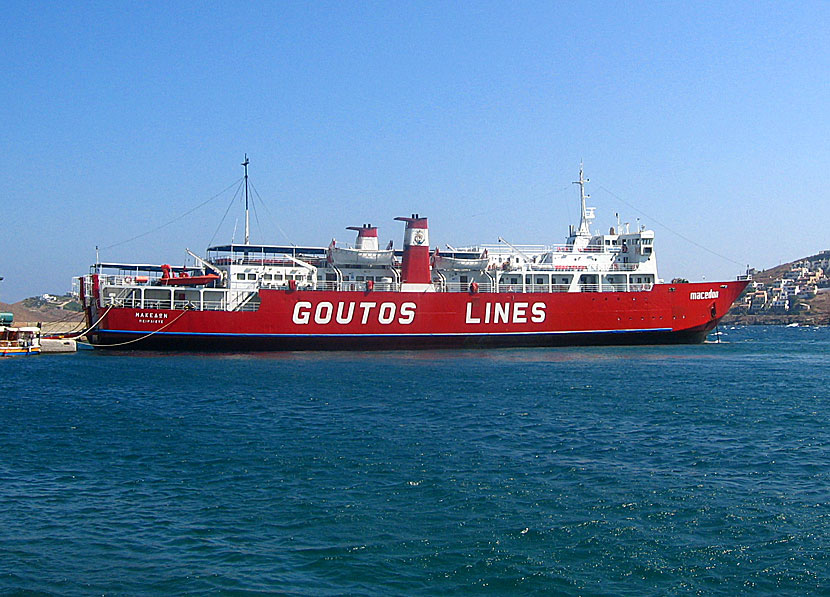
x,y
365,251
462,264
183,278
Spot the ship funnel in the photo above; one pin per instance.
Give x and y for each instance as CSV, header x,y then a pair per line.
x,y
367,237
415,272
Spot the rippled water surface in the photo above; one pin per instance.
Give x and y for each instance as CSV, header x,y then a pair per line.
x,y
585,471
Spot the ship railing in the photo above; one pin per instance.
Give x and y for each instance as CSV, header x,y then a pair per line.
x,y
462,286
518,287
127,280
355,285
508,250
131,302
282,262
279,285
574,267
214,306
539,249
624,267
614,288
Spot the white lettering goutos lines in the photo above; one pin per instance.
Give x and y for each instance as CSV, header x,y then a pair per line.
x,y
346,312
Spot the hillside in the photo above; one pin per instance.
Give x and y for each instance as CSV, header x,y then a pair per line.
x,y
795,292
37,310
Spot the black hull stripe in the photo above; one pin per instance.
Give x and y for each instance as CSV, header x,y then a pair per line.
x,y
250,343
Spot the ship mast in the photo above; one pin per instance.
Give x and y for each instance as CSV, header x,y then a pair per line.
x,y
585,217
247,225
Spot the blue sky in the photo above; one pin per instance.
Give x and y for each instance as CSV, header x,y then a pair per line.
x,y
708,121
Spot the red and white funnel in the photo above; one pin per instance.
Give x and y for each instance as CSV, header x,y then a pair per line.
x,y
367,237
415,272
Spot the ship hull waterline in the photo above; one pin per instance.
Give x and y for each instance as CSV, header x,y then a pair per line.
x,y
336,320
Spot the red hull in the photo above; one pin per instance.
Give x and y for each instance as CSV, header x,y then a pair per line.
x,y
320,320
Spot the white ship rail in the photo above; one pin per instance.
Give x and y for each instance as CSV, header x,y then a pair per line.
x,y
505,250
576,267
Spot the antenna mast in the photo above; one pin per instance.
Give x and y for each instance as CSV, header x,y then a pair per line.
x,y
247,225
587,214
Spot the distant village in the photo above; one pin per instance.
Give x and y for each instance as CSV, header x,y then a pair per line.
x,y
786,289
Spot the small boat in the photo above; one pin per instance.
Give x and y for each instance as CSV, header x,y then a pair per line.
x,y
21,341
471,262
184,279
365,251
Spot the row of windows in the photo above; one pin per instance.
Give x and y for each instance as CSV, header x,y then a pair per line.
x,y
554,280
529,280
636,241
333,278
278,277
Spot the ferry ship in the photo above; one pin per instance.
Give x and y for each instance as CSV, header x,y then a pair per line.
x,y
595,289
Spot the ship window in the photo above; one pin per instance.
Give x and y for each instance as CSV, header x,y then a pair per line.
x,y
278,276
463,279
240,276
540,280
331,277
252,276
359,278
267,276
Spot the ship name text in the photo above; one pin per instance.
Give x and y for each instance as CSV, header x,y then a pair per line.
x,y
150,317
506,313
702,296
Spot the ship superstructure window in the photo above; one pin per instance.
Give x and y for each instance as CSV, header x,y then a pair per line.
x,y
267,276
252,276
240,276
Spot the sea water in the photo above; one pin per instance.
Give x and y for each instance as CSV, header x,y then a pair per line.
x,y
573,471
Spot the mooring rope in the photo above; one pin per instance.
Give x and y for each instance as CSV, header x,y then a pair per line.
x,y
166,325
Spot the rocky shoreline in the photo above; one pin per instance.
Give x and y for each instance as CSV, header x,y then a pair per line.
x,y
778,319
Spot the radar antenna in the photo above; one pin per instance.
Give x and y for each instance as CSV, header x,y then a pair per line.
x,y
247,224
586,213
